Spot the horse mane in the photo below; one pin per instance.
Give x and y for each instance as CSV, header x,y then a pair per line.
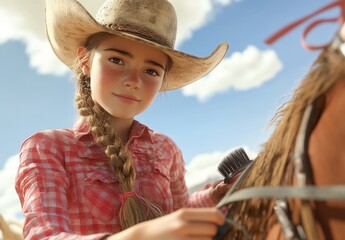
x,y
273,165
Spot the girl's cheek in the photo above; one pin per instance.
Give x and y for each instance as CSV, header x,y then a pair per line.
x,y
109,76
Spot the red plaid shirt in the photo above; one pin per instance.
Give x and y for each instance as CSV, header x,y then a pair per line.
x,y
68,190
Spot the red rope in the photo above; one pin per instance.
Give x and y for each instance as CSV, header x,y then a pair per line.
x,y
280,33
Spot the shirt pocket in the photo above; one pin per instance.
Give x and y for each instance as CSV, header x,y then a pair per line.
x,y
101,195
154,184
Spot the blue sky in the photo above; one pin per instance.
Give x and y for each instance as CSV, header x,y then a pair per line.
x,y
231,107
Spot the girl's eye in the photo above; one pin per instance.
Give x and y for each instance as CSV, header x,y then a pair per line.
x,y
116,60
152,72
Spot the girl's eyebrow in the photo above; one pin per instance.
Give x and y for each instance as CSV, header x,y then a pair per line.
x,y
131,56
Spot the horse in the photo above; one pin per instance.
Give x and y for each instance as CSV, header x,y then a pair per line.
x,y
295,188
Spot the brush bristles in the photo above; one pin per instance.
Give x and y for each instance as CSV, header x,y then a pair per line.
x,y
233,163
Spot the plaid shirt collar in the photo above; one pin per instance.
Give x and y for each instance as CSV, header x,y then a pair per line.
x,y
83,134
81,129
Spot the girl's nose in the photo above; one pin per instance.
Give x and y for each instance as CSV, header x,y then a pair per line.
x,y
133,80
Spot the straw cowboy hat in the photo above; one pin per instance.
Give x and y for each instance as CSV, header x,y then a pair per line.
x,y
152,22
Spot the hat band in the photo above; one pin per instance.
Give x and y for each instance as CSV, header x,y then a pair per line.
x,y
141,32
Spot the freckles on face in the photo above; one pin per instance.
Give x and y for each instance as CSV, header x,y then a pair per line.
x,y
101,75
100,79
126,76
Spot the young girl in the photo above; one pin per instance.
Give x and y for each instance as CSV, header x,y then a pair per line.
x,y
110,173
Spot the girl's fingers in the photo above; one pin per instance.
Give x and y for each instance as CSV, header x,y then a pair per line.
x,y
202,229
207,215
186,224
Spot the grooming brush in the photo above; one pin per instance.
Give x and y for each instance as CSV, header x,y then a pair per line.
x,y
233,164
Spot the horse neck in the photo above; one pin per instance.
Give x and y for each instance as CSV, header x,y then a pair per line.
x,y
326,145
327,159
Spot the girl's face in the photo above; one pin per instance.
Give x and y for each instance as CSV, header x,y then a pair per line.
x,y
125,76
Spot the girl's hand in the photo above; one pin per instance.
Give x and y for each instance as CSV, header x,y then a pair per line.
x,y
220,188
184,224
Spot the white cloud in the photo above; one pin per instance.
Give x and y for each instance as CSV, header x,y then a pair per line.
x,y
203,13
241,71
187,22
204,168
24,21
10,207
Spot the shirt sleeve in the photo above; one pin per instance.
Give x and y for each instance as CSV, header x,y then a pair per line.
x,y
179,191
41,184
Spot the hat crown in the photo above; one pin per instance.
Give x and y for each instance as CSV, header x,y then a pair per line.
x,y
153,20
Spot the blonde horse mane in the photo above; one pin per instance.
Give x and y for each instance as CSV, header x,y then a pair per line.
x,y
273,165
10,230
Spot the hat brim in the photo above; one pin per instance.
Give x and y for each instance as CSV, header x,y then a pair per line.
x,y
69,24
